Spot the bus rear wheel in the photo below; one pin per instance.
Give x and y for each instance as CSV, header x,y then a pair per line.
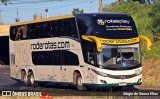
x,y
23,73
79,83
24,78
29,80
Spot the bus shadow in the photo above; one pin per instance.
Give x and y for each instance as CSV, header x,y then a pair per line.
x,y
94,89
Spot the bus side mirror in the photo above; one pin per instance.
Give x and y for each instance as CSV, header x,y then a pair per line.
x,y
149,43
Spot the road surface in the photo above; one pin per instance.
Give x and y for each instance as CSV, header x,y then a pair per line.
x,y
6,83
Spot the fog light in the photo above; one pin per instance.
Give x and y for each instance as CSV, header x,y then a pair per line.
x,y
139,80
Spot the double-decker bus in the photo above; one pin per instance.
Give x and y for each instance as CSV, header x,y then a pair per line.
x,y
86,50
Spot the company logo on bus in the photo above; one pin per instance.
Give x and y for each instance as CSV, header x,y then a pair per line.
x,y
50,45
100,22
103,22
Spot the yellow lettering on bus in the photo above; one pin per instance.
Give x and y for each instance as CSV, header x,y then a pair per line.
x,y
120,41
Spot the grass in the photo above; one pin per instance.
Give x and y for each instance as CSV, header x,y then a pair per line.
x,y
151,73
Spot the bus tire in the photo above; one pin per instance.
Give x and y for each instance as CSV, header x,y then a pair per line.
x,y
26,82
24,78
23,73
79,83
31,79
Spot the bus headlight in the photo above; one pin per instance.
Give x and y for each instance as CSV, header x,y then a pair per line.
x,y
138,71
102,74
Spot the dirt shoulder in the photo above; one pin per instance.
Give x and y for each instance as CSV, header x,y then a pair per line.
x,y
151,73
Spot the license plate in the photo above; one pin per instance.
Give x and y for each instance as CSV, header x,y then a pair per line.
x,y
122,84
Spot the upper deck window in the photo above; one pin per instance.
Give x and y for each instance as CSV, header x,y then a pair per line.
x,y
84,25
114,27
45,29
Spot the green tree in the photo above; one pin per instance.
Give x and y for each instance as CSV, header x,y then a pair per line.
x,y
141,1
77,10
5,1
155,24
156,1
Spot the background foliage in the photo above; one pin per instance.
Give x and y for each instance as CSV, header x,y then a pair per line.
x,y
4,1
77,11
147,20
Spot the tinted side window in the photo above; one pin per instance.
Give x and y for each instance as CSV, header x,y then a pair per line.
x,y
45,30
74,59
42,58
24,30
21,33
70,58
69,28
66,58
47,57
57,28
56,57
13,31
84,25
18,32
33,31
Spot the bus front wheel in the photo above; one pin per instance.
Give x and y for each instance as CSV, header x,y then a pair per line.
x,y
79,82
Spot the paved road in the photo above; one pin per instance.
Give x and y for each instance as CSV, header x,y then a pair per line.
x,y
6,83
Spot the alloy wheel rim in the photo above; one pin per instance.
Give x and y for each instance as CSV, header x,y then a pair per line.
x,y
32,79
25,78
79,81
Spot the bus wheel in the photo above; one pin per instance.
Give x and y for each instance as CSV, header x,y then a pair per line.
x,y
26,82
79,82
31,79
24,78
23,75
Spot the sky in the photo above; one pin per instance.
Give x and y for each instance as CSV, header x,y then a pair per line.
x,y
27,8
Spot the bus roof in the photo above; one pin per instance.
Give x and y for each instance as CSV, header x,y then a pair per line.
x,y
42,20
110,14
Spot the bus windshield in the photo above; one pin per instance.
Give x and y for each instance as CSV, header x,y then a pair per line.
x,y
114,27
119,56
